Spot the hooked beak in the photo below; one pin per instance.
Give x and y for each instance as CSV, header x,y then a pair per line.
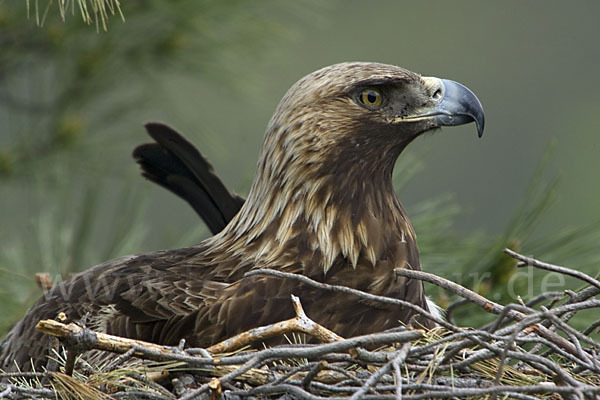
x,y
455,104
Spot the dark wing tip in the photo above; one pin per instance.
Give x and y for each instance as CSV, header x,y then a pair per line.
x,y
168,136
141,151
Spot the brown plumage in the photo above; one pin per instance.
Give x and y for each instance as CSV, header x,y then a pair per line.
x,y
322,204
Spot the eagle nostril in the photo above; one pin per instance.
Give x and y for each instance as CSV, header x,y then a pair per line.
x,y
437,94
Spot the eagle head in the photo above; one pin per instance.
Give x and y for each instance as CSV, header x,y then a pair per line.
x,y
361,115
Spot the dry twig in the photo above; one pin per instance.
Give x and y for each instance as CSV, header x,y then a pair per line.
x,y
528,261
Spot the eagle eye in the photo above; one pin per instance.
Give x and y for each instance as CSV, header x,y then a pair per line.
x,y
371,98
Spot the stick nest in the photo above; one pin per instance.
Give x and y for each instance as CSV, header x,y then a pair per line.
x,y
529,351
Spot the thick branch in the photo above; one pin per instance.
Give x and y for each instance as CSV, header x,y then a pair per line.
x,y
301,324
99,340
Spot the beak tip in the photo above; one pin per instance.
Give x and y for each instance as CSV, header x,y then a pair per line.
x,y
480,126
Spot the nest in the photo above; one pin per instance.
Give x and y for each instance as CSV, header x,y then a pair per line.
x,y
529,351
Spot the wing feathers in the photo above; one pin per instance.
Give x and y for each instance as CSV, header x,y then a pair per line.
x,y
175,164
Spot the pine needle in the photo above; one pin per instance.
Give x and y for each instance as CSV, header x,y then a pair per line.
x,y
97,12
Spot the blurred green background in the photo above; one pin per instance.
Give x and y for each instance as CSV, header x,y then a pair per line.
x,y
73,99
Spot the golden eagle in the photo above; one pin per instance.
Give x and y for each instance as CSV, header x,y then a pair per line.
x,y
322,204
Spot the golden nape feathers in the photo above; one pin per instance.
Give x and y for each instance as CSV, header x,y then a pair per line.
x,y
322,204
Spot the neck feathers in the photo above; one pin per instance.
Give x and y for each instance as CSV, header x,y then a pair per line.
x,y
320,221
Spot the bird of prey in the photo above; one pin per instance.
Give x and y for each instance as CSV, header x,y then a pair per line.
x,y
321,204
